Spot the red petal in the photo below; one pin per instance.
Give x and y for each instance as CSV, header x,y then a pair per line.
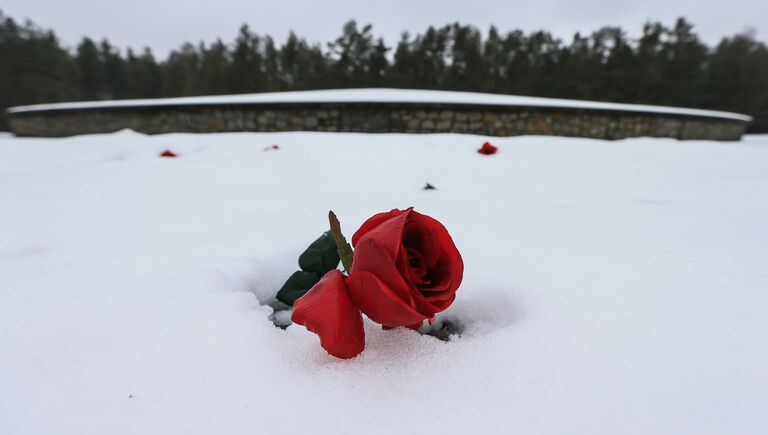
x,y
379,302
328,311
370,257
418,325
418,235
487,149
453,260
167,153
376,220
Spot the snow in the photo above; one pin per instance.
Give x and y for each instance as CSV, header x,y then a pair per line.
x,y
610,287
382,95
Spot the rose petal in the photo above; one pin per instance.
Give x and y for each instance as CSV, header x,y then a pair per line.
x,y
417,268
450,257
423,305
388,234
371,257
420,236
328,311
487,149
373,222
439,278
379,302
377,220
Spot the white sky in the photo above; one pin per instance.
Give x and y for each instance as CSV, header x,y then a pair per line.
x,y
164,25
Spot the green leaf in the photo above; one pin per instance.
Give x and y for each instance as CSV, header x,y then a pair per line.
x,y
321,256
297,286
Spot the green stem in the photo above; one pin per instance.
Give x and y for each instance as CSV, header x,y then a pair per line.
x,y
345,251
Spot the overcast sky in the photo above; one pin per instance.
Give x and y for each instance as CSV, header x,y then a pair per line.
x,y
164,25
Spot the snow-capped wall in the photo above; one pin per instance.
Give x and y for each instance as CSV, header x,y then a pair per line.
x,y
378,111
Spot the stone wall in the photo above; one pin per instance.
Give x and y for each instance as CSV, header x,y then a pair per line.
x,y
376,118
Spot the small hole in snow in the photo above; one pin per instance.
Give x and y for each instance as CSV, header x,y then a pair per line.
x,y
281,318
444,329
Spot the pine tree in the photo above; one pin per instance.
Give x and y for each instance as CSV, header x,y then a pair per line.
x,y
738,78
113,67
684,66
90,71
182,72
466,70
665,65
247,71
143,75
351,54
214,68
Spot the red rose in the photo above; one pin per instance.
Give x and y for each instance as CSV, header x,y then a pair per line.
x,y
405,270
488,149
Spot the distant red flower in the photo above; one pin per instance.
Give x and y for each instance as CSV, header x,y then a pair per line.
x,y
488,149
167,153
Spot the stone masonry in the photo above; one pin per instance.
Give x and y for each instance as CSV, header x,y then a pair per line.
x,y
376,118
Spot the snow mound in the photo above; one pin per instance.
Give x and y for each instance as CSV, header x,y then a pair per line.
x,y
610,287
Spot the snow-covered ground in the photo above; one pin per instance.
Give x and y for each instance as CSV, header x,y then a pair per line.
x,y
610,287
383,95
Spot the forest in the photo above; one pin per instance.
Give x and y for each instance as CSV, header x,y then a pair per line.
x,y
665,65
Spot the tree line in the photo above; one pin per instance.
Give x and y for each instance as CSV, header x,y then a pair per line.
x,y
666,65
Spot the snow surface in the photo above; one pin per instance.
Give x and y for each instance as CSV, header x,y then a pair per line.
x,y
382,95
610,287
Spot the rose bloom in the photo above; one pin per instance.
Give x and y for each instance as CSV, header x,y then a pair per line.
x,y
405,269
488,149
